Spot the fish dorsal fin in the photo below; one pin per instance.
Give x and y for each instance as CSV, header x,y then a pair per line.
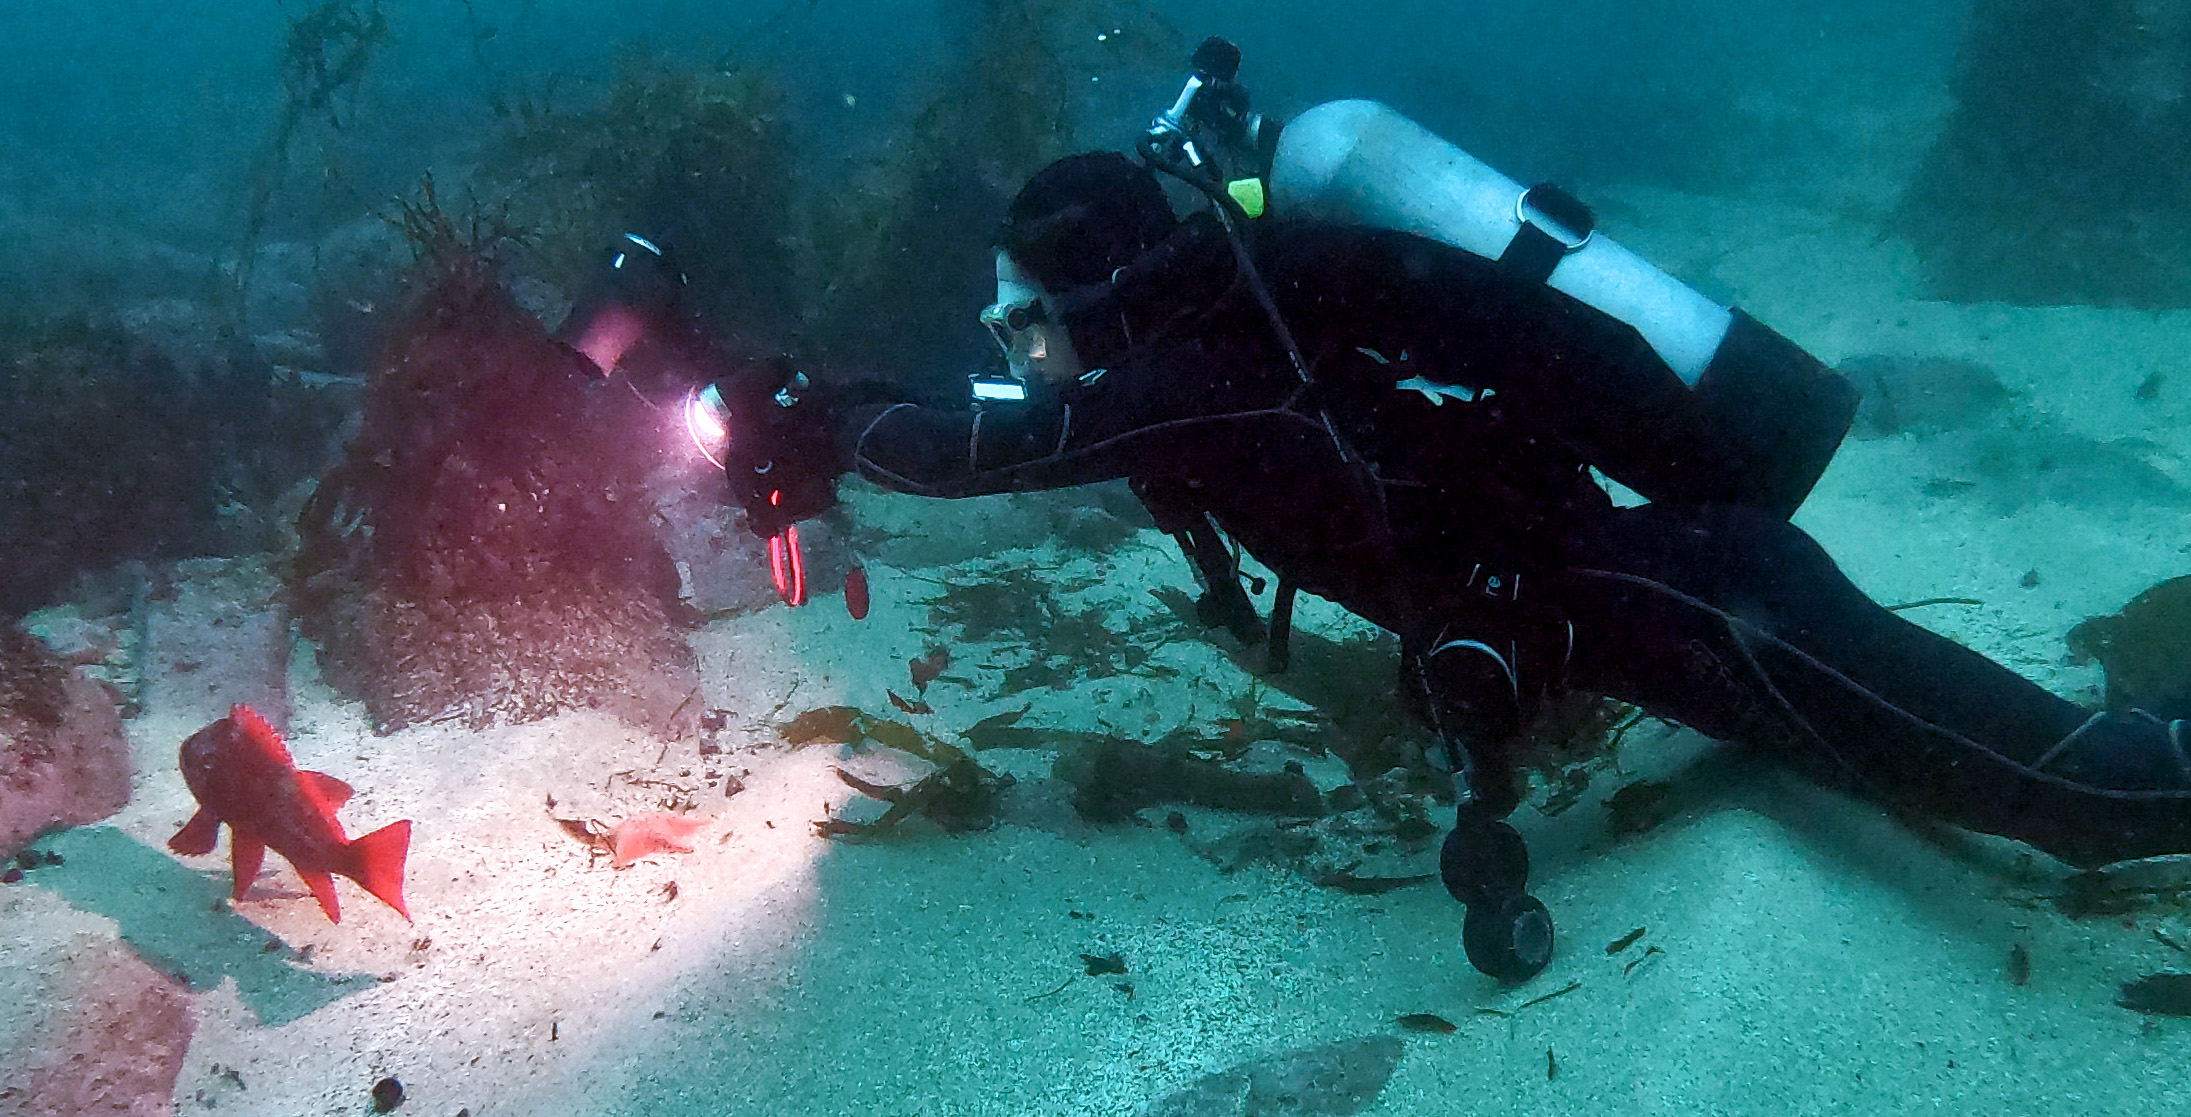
x,y
325,790
261,735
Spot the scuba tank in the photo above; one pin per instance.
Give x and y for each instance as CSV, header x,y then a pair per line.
x,y
1744,416
1362,163
1737,414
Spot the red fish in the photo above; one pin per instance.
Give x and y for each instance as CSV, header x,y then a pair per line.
x,y
855,594
242,774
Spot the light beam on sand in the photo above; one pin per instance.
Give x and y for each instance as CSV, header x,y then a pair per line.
x,y
532,964
609,336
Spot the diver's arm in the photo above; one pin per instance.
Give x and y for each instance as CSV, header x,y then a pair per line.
x,y
1118,427
930,451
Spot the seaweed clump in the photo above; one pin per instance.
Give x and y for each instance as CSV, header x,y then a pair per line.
x,y
2058,176
903,254
326,53
2146,650
103,456
484,552
112,450
699,159
902,773
1058,644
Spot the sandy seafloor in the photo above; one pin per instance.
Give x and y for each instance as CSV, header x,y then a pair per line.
x,y
1817,956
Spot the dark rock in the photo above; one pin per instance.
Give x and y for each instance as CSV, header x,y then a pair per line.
x,y
1921,395
387,1095
113,1043
2160,994
1331,1080
63,758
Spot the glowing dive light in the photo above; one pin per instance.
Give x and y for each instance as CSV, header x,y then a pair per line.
x,y
707,420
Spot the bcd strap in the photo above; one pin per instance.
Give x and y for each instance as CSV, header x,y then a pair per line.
x,y
1554,223
1226,604
1180,515
1280,653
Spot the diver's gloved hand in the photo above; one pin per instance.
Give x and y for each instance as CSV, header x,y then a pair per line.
x,y
783,460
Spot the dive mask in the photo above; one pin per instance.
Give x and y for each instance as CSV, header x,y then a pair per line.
x,y
1021,325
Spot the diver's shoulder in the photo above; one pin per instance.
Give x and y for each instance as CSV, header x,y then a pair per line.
x,y
1309,244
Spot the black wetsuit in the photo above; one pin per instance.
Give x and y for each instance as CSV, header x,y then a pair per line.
x,y
1467,522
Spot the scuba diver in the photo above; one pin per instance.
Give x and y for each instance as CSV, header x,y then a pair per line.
x,y
1388,373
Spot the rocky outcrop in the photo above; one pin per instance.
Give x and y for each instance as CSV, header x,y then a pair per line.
x,y
63,759
113,1046
486,551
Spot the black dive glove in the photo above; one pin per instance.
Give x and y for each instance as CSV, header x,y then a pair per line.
x,y
782,461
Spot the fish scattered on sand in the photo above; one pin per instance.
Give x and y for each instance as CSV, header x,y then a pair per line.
x,y
648,834
927,668
1429,1023
855,593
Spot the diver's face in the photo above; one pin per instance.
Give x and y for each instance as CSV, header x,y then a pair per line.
x,y
1036,349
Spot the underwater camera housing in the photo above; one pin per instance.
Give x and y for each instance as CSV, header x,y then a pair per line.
x,y
1211,106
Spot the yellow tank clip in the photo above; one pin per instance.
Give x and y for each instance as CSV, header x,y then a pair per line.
x,y
1249,193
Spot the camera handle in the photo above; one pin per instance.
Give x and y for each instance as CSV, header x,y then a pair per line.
x,y
1211,111
1214,100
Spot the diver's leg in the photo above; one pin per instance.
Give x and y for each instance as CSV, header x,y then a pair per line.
x,y
1740,625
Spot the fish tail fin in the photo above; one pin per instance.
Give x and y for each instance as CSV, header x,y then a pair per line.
x,y
376,862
